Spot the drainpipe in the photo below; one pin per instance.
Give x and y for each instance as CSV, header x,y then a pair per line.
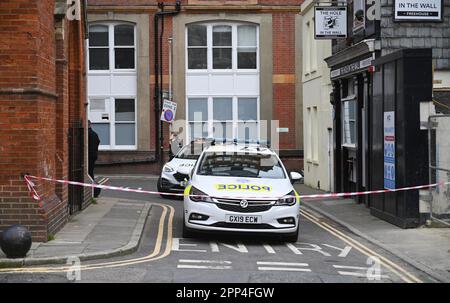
x,y
158,72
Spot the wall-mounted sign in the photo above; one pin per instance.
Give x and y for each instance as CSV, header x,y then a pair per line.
x,y
414,10
168,111
389,150
351,68
330,22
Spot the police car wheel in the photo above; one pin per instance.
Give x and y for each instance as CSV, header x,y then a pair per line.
x,y
292,238
161,190
187,232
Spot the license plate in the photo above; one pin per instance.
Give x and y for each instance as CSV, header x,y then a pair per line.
x,y
243,219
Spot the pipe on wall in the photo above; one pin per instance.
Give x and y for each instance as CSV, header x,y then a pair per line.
x,y
158,71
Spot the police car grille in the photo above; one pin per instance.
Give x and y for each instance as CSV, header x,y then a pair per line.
x,y
235,205
180,177
242,225
249,209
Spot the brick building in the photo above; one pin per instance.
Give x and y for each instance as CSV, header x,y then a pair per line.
x,y
42,110
233,62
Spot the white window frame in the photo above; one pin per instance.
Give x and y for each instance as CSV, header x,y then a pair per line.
x,y
211,120
234,48
111,50
351,98
111,72
112,123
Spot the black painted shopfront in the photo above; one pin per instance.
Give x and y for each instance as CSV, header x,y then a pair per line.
x,y
352,79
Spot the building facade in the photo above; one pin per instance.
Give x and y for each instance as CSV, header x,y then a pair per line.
x,y
317,109
230,66
375,31
42,110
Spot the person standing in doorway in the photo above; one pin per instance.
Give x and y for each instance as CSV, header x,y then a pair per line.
x,y
94,142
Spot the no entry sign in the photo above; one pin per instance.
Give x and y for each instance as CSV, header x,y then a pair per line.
x,y
168,111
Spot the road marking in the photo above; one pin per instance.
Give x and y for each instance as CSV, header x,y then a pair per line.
x,y
284,269
399,271
365,271
281,263
151,257
350,267
269,249
203,267
204,261
344,251
239,247
209,266
276,266
103,181
313,247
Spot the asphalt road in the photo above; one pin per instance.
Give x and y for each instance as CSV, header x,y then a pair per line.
x,y
324,252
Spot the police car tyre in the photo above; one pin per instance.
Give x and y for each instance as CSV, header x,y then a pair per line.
x,y
292,238
160,189
187,232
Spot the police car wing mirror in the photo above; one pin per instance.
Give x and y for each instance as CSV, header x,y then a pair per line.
x,y
295,177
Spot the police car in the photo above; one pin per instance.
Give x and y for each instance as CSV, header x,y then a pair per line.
x,y
176,171
241,187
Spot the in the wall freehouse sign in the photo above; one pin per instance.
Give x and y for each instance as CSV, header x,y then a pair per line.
x,y
330,22
418,10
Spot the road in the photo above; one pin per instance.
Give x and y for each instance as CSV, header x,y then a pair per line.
x,y
324,252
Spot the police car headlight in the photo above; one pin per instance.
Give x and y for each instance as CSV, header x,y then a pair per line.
x,y
287,200
197,195
167,169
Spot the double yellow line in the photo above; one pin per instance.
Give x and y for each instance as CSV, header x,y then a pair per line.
x,y
401,272
167,211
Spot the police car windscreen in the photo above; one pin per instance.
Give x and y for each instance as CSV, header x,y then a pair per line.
x,y
226,164
191,151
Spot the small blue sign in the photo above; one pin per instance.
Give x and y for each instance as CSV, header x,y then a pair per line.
x,y
389,150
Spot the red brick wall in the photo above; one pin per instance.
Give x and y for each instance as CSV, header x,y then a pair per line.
x,y
34,102
284,65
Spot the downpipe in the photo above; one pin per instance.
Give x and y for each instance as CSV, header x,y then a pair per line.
x,y
158,72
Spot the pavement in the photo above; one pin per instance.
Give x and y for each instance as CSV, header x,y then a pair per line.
x,y
111,227
427,249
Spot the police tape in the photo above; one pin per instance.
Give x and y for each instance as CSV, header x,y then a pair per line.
x,y
31,187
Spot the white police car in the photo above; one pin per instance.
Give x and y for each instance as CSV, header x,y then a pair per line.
x,y
241,188
176,171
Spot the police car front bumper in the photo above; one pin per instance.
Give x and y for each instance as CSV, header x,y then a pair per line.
x,y
269,221
168,183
